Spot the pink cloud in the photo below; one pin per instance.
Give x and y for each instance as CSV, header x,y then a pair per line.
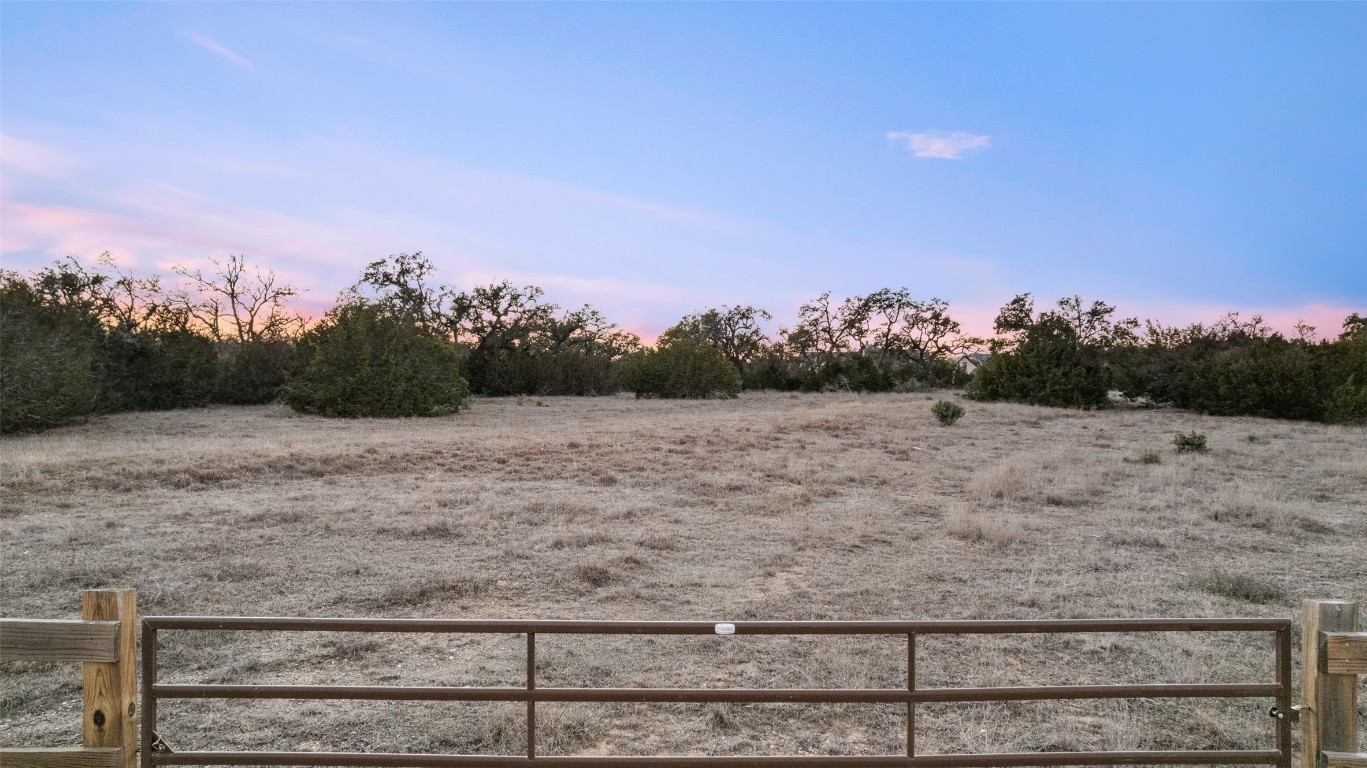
x,y
70,231
647,334
940,145
159,232
974,319
33,159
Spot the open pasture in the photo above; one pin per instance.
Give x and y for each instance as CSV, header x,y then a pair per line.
x,y
773,506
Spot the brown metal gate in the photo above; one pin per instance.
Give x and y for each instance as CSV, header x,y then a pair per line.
x,y
531,694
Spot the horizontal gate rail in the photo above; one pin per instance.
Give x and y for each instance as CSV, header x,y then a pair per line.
x,y
718,695
999,760
531,694
578,627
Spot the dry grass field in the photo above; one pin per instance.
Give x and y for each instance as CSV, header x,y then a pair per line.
x,y
773,506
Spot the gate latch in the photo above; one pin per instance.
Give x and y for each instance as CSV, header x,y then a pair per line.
x,y
1294,715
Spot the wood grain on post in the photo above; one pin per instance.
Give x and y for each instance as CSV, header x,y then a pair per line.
x,y
1329,721
62,757
58,640
110,688
1345,653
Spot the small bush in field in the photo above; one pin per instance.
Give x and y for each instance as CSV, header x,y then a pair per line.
x,y
947,412
1150,457
1192,443
594,574
1240,587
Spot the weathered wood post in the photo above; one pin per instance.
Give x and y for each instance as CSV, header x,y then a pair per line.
x,y
104,640
110,714
1333,654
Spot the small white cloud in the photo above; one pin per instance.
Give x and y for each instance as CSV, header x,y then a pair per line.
x,y
211,44
941,145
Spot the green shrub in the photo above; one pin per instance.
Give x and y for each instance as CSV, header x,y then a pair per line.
x,y
682,368
1150,457
1236,367
1192,443
254,372
1049,368
1347,403
945,372
362,362
158,370
1058,358
852,373
522,371
773,371
46,355
947,412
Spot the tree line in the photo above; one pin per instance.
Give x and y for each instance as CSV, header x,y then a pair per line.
x,y
78,340
1075,355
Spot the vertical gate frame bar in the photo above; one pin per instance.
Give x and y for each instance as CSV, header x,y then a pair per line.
x,y
1284,711
911,688
149,702
531,696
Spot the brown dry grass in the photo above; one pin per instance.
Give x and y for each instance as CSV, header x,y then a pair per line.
x,y
832,506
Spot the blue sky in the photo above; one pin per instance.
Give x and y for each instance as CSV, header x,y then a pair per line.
x,y
1177,160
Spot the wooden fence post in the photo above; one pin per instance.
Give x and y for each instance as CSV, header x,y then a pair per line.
x,y
1329,719
110,715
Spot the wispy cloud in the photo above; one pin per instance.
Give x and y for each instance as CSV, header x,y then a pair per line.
x,y
941,145
571,290
30,158
210,44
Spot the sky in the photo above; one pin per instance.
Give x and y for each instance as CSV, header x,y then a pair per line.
x,y
1175,160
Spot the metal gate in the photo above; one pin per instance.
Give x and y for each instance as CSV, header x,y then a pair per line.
x,y
531,694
